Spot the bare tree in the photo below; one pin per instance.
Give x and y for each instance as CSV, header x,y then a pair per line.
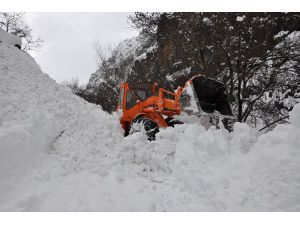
x,y
72,84
242,50
103,51
14,23
145,23
10,21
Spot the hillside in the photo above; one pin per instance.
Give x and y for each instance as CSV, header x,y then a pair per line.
x,y
60,153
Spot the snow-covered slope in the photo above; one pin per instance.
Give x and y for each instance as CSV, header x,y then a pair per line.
x,y
59,153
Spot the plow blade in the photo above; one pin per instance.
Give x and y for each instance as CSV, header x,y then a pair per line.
x,y
205,96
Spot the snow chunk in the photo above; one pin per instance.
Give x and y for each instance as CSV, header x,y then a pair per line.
x,y
206,21
240,18
281,34
182,72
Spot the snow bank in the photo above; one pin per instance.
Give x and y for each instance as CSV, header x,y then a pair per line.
x,y
60,153
35,112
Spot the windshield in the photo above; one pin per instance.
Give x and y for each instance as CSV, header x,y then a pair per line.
x,y
142,91
142,94
137,92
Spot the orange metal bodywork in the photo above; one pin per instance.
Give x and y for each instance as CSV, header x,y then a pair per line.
x,y
157,107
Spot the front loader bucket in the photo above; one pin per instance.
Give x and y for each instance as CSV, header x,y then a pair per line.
x,y
203,95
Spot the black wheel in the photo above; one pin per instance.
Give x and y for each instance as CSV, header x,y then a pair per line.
x,y
144,124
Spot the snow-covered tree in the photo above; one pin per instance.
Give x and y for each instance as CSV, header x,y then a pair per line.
x,y
249,52
74,85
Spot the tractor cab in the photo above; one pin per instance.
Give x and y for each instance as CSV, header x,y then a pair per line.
x,y
138,93
132,94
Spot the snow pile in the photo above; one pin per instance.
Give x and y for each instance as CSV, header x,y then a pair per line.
x,y
59,153
230,173
36,114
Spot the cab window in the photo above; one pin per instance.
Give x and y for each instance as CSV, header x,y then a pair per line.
x,y
131,99
137,93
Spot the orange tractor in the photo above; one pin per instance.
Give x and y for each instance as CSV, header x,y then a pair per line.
x,y
149,107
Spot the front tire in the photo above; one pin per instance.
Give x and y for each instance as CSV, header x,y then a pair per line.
x,y
144,124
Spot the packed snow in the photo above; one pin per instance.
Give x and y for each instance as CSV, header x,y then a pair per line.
x,y
60,153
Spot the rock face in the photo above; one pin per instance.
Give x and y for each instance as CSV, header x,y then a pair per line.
x,y
167,64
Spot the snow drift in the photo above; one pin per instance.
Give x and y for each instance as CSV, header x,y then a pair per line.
x,y
60,153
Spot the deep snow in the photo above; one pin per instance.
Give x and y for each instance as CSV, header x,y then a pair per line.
x,y
60,153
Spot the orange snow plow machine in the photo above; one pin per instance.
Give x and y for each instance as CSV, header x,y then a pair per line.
x,y
149,108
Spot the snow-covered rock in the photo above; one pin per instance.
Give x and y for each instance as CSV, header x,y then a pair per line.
x,y
60,153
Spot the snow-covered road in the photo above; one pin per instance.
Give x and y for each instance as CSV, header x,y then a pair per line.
x,y
60,153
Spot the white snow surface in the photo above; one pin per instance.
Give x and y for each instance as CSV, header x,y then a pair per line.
x,y
60,153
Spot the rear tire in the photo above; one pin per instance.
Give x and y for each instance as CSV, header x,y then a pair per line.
x,y
141,124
